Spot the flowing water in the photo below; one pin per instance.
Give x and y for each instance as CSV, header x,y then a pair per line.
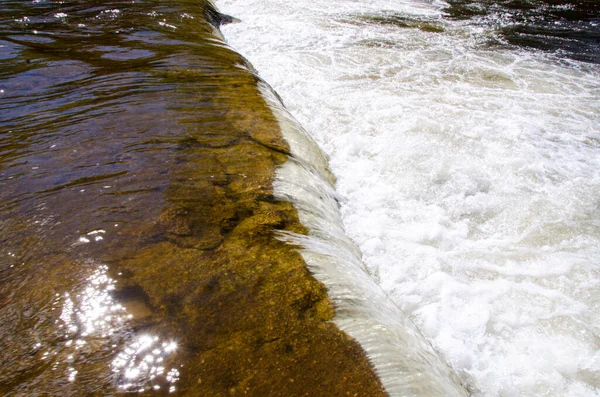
x,y
86,144
465,137
143,205
142,177
136,215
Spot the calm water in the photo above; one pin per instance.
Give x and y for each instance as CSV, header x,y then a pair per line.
x,y
465,138
114,131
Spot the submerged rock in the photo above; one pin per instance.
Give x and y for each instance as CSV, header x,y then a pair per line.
x,y
143,259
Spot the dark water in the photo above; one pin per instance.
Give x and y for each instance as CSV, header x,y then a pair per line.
x,y
566,28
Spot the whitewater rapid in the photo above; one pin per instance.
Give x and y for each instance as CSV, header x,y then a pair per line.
x,y
470,178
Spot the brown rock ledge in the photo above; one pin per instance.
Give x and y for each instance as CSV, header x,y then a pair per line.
x,y
249,317
161,169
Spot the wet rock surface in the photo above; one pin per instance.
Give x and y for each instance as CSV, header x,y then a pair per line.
x,y
137,243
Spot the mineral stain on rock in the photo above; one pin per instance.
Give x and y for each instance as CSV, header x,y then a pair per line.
x,y
161,171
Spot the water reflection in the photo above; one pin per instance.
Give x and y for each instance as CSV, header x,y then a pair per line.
x,y
93,319
142,363
84,144
95,313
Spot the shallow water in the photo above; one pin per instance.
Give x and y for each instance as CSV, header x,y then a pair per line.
x,y
114,131
469,170
85,149
138,218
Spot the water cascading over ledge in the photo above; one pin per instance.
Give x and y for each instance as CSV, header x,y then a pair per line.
x,y
138,216
405,362
148,182
468,165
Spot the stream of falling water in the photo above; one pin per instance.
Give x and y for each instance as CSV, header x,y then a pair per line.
x,y
469,172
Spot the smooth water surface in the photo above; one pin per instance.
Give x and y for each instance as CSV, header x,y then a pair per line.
x,y
108,111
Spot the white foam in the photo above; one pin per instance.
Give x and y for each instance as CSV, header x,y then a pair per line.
x,y
406,364
470,179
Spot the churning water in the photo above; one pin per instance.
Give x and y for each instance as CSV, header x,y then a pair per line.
x,y
469,168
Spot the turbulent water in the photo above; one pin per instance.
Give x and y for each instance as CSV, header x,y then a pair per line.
x,y
568,28
465,138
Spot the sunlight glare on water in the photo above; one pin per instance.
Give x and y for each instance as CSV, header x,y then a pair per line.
x,y
470,173
92,319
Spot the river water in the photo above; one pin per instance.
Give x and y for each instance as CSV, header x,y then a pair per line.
x,y
138,208
465,137
93,116
143,242
136,215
